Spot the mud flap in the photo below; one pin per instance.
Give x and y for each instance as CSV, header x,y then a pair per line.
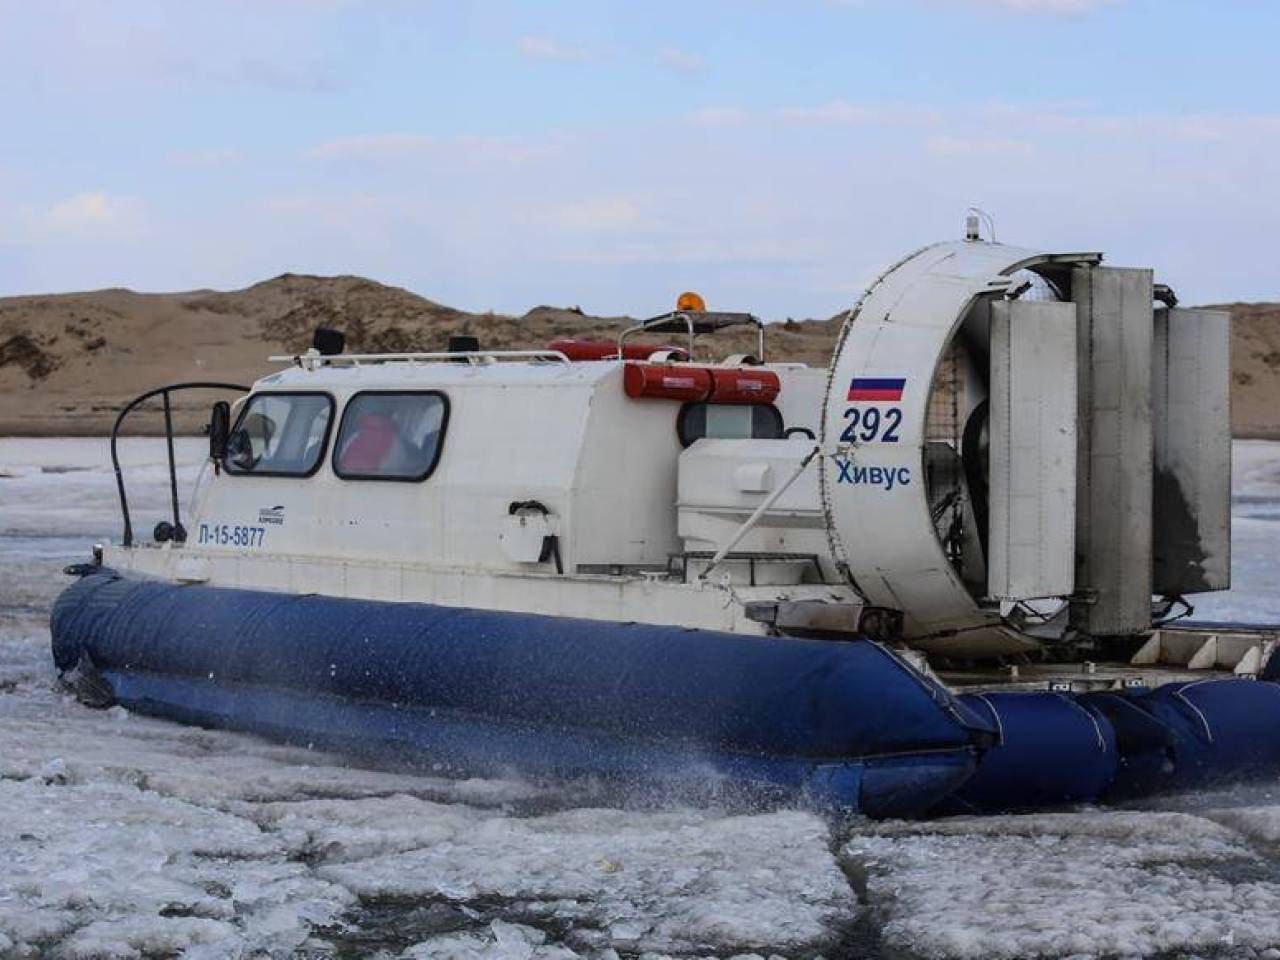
x,y
87,683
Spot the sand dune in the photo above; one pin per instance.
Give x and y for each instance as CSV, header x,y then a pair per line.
x,y
1255,369
68,361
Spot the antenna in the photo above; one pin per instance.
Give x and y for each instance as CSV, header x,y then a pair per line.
x,y
973,216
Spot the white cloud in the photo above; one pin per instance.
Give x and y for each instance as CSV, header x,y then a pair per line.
x,y
1188,127
681,61
551,50
671,248
311,76
986,147
1068,8
264,72
203,158
836,112
993,127
603,213
378,146
98,46
1045,7
93,215
718,117
1053,6
331,209
83,208
383,147
845,112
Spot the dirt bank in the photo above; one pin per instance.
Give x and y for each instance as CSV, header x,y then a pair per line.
x,y
68,361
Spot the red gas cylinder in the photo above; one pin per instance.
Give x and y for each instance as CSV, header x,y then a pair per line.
x,y
577,350
666,381
743,385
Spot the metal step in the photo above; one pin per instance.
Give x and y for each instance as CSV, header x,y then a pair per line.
x,y
1240,648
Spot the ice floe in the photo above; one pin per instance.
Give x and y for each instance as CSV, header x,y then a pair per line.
x,y
747,881
1091,883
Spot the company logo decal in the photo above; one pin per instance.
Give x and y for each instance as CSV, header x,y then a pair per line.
x,y
272,515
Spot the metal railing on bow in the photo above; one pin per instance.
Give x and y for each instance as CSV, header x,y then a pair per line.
x,y
179,532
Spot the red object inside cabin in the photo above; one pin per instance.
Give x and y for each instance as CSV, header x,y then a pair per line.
x,y
365,453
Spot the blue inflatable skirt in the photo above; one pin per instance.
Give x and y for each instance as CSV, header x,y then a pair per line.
x,y
848,724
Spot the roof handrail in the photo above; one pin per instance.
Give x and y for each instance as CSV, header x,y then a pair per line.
x,y
691,320
473,357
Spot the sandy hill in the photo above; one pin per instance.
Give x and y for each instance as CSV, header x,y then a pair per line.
x,y
1255,369
68,361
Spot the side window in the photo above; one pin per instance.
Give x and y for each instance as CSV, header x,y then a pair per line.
x,y
391,436
729,421
280,434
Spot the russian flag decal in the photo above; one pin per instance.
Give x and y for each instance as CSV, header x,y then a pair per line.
x,y
877,388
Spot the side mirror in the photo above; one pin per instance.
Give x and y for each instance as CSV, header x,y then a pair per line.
x,y
219,430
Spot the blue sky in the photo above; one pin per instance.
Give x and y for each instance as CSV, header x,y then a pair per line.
x,y
773,155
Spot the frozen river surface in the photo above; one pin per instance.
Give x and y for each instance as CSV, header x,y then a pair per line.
x,y
123,836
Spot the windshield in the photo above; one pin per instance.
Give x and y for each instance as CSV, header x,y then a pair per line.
x,y
280,434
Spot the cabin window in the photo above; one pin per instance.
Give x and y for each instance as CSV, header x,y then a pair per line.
x,y
280,435
391,436
729,421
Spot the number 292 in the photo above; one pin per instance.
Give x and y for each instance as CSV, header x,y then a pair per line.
x,y
871,425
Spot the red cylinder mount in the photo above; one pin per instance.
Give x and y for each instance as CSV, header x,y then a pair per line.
x,y
666,381
577,350
743,385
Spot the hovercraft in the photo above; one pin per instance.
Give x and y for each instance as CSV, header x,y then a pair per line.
x,y
940,575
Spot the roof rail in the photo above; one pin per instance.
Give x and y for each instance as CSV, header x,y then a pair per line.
x,y
694,322
311,360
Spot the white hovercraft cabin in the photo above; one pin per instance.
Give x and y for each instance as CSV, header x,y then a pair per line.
x,y
517,481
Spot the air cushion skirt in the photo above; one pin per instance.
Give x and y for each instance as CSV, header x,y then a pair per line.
x,y
850,724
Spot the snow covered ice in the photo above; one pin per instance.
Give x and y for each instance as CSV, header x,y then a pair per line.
x,y
124,836
1070,884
